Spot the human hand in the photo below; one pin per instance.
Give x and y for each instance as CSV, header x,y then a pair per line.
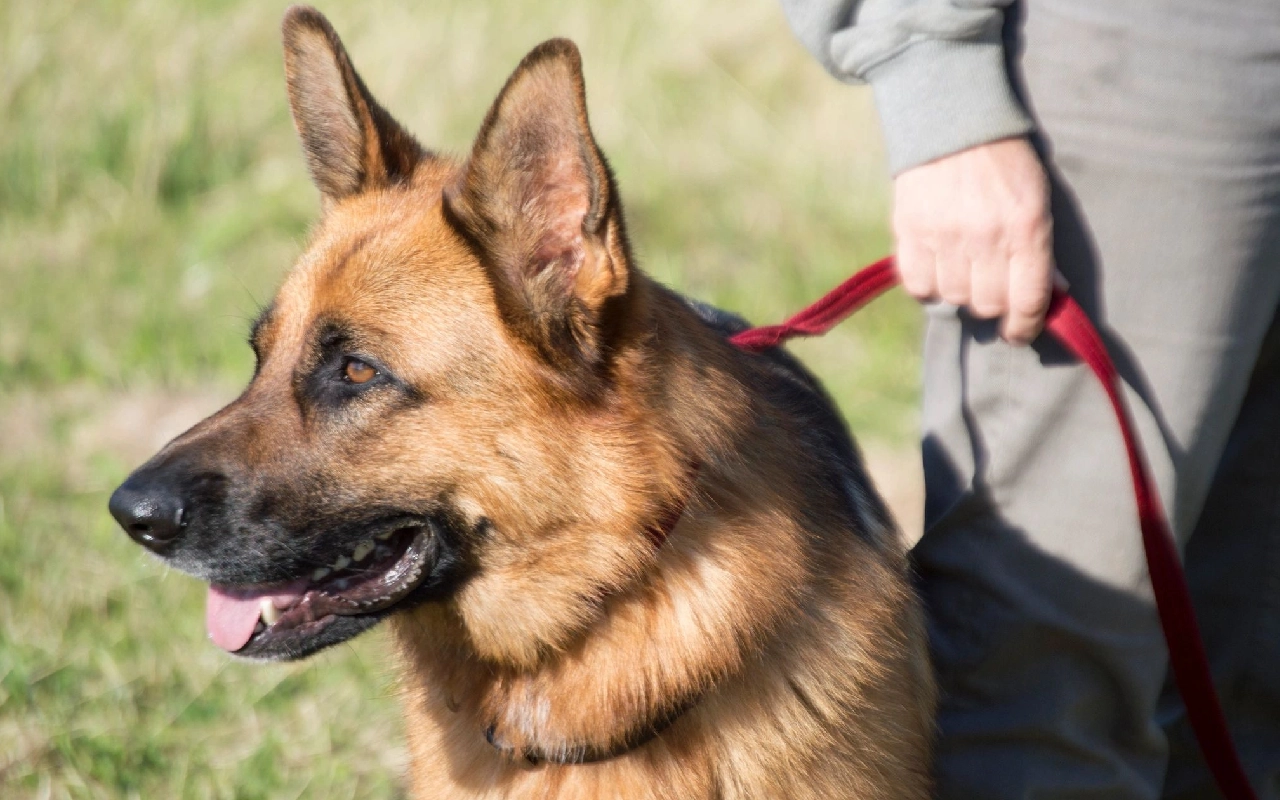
x,y
973,229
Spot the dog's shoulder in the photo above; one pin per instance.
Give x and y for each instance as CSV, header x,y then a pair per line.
x,y
791,386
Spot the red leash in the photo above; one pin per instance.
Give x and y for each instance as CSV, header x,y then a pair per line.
x,y
1068,323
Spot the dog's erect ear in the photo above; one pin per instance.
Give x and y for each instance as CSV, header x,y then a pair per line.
x,y
351,143
537,199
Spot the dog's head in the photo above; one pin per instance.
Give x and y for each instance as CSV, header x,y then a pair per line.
x,y
439,404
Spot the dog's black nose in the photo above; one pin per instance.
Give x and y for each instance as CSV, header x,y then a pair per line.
x,y
150,513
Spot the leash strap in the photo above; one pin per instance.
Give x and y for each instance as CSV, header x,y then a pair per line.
x,y
1067,322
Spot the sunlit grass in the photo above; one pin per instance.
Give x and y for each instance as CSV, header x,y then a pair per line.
x,y
151,197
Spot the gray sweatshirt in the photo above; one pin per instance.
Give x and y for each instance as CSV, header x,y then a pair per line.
x,y
936,68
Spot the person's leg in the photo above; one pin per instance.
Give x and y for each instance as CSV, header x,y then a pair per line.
x,y
1233,567
1167,207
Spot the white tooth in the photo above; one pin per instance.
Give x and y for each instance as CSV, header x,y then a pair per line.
x,y
385,535
341,563
270,614
362,550
319,574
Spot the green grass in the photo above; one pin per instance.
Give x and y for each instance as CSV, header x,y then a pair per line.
x,y
151,197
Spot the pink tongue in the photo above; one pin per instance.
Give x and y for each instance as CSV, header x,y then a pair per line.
x,y
231,618
232,614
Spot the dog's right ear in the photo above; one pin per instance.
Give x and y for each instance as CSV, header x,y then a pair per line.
x,y
351,143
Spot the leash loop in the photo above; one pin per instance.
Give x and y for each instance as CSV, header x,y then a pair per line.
x,y
1067,323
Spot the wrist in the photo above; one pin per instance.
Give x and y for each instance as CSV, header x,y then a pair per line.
x,y
939,97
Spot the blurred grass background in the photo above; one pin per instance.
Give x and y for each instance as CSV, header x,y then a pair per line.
x,y
151,197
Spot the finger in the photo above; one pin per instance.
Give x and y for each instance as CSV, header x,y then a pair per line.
x,y
953,276
1030,289
989,290
917,270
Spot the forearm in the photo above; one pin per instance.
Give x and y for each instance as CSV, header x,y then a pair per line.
x,y
937,69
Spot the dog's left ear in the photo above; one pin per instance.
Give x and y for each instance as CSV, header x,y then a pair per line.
x,y
352,144
537,200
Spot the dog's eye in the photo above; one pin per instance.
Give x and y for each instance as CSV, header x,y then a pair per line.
x,y
356,371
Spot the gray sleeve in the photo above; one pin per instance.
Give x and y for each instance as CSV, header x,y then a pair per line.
x,y
936,68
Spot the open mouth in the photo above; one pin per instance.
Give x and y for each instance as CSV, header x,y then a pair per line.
x,y
332,604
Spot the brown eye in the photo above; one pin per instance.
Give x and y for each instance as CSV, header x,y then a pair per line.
x,y
357,371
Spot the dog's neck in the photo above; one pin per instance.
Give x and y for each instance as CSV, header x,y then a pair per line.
x,y
607,685
624,741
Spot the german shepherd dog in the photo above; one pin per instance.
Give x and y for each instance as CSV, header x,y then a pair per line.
x,y
619,557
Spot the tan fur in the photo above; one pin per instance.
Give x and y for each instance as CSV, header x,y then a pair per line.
x,y
566,396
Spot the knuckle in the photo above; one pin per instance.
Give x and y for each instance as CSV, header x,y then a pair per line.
x,y
1031,302
955,273
1026,223
985,233
950,232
